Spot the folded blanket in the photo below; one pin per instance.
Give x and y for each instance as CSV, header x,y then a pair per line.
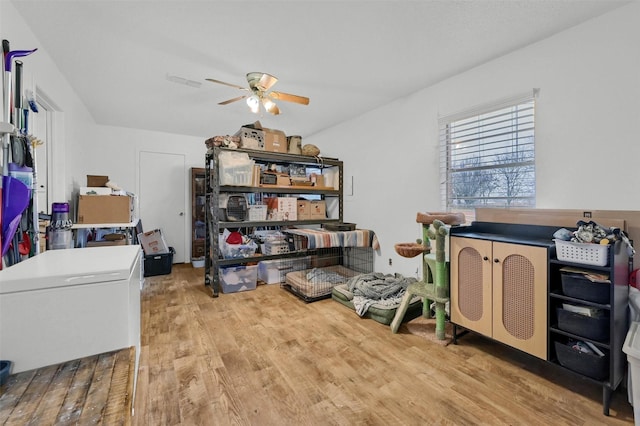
x,y
379,288
319,238
317,275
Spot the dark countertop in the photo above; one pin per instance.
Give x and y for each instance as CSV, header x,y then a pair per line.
x,y
533,235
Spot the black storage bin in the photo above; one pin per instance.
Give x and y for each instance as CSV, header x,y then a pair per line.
x,y
158,264
5,371
590,365
576,285
585,326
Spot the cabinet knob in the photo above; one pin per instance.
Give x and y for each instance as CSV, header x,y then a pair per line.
x,y
496,260
485,258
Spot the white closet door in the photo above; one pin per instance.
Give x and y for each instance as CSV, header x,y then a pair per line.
x,y
163,198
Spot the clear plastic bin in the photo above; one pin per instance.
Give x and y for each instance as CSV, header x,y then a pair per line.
x,y
236,169
238,278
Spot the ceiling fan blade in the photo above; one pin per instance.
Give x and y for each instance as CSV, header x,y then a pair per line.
x,y
290,98
266,82
226,84
228,101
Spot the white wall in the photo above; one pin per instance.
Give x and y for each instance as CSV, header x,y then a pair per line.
x,y
113,151
586,116
88,148
81,146
586,142
76,124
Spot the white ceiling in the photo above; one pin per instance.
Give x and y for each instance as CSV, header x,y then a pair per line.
x,y
348,57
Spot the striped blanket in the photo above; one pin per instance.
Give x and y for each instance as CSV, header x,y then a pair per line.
x,y
319,238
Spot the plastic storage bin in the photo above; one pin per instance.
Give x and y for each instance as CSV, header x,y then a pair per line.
x,y
158,264
238,251
5,371
631,347
235,169
276,247
275,271
238,278
587,254
576,285
596,328
590,365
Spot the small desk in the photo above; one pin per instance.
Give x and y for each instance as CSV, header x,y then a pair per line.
x,y
129,227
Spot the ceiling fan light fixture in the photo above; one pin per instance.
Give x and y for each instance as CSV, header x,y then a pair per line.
x,y
270,106
259,85
254,103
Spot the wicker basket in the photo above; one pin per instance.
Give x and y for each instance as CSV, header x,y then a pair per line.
x,y
584,253
411,249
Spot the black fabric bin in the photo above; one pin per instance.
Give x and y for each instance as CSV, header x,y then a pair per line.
x,y
582,325
576,285
158,264
586,364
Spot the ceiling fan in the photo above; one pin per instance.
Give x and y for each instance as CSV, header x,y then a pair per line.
x,y
259,85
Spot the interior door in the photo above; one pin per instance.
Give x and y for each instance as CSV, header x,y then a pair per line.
x,y
163,198
41,129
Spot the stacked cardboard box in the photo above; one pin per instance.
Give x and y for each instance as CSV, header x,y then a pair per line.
x,y
310,210
282,208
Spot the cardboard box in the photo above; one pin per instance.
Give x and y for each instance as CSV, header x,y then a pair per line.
x,y
254,136
153,242
105,209
280,179
95,180
275,140
318,209
282,208
95,190
106,243
304,209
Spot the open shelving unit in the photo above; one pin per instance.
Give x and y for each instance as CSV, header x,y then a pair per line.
x,y
609,371
215,223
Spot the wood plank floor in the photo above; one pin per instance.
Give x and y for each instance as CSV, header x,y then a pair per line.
x,y
264,357
92,390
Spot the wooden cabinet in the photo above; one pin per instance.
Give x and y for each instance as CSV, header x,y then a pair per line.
x,y
197,212
499,290
508,284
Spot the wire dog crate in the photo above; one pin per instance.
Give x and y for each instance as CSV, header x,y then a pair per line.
x,y
313,277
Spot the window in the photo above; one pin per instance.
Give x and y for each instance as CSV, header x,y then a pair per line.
x,y
487,156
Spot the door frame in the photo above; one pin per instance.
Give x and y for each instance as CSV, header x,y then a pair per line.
x,y
185,192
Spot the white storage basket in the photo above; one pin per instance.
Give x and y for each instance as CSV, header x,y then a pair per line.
x,y
584,253
258,212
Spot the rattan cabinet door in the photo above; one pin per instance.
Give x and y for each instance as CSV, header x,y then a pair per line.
x,y
471,300
520,297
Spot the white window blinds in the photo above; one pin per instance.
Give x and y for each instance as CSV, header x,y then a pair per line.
x,y
487,156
